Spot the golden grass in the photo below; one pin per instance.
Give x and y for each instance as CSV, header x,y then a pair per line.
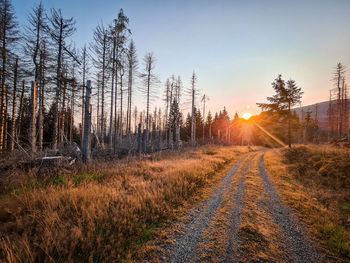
x,y
261,237
308,180
103,212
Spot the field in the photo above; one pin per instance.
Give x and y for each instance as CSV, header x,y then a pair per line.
x,y
103,211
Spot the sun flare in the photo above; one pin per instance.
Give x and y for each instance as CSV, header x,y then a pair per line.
x,y
246,116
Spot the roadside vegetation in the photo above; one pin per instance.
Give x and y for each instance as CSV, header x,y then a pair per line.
x,y
102,211
315,181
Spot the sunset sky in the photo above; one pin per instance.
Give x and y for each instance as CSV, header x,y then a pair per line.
x,y
236,48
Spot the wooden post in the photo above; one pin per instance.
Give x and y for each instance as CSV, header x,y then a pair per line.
x,y
87,123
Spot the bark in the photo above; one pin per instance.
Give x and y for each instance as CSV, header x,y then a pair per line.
x,y
112,96
103,90
58,85
63,112
20,111
32,128
86,146
14,106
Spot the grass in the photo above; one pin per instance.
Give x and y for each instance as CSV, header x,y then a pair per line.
x,y
315,181
102,211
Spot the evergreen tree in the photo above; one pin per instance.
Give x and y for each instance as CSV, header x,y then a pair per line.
x,y
285,97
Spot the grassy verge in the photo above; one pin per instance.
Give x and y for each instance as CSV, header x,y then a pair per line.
x,y
103,211
315,181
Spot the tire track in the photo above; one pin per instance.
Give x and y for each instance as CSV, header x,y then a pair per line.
x,y
299,246
184,246
232,254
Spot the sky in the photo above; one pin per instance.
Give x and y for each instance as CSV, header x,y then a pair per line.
x,y
236,48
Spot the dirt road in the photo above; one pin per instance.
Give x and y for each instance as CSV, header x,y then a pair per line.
x,y
243,221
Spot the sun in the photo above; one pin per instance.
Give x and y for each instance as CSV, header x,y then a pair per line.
x,y
246,116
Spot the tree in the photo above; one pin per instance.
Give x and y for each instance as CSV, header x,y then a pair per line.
x,y
339,82
132,67
13,128
60,30
84,72
33,37
205,98
149,80
8,39
101,49
194,92
283,100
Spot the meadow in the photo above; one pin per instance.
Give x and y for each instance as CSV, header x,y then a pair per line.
x,y
105,210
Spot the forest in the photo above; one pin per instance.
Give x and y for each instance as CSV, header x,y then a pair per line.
x,y
101,160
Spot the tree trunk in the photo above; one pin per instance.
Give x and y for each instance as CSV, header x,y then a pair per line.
x,y
33,116
86,146
103,91
14,106
20,111
112,96
289,128
58,87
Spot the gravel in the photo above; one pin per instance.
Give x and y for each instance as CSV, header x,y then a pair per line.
x,y
232,254
185,245
299,246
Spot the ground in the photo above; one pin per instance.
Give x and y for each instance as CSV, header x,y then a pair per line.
x,y
210,204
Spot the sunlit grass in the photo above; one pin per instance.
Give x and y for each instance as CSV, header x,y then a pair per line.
x,y
104,211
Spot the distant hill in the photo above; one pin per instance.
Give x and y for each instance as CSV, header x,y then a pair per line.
x,y
318,111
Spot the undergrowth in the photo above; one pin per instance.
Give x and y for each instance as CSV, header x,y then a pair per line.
x,y
324,172
103,211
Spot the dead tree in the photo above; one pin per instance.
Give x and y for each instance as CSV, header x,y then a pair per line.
x,y
338,77
86,142
193,108
42,83
13,128
84,71
120,33
101,49
8,38
149,80
20,110
132,67
204,99
60,30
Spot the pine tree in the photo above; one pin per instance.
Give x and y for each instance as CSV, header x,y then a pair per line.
x,y
283,100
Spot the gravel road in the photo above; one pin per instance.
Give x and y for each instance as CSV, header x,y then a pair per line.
x,y
300,248
184,245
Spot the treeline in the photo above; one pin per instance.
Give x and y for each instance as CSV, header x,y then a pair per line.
x,y
43,88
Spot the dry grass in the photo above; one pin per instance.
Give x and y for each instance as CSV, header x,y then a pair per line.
x,y
261,237
102,212
315,182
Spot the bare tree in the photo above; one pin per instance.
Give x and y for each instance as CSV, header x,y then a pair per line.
x,y
204,100
194,92
101,49
13,128
8,38
149,80
132,65
84,71
61,29
119,33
